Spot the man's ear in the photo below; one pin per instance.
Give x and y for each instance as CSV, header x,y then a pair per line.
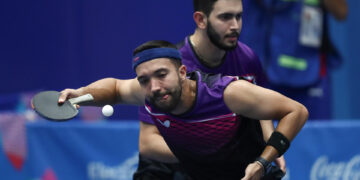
x,y
200,19
182,72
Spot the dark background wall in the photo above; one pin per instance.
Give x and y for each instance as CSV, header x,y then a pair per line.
x,y
52,45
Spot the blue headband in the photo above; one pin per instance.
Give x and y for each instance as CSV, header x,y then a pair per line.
x,y
154,53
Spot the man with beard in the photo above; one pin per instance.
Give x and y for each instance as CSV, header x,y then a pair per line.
x,y
203,118
213,48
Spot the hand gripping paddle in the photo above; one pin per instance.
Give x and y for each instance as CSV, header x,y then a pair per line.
x,y
46,104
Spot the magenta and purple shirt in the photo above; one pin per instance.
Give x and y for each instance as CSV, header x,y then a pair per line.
x,y
207,126
209,133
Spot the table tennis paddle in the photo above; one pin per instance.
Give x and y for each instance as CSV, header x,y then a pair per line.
x,y
46,104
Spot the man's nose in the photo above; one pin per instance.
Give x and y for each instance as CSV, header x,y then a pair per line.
x,y
155,85
235,23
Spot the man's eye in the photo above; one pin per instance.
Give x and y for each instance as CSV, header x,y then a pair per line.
x,y
143,81
238,16
226,16
162,75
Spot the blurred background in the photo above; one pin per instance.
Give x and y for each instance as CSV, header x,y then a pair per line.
x,y
52,45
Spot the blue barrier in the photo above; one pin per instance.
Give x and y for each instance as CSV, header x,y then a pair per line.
x,y
75,150
325,150
108,151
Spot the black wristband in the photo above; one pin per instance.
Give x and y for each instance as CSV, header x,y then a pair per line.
x,y
266,164
279,142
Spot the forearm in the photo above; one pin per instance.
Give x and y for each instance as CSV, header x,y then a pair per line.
x,y
338,8
292,123
267,127
152,145
289,126
104,92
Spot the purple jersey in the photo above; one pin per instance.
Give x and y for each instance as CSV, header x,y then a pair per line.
x,y
209,136
241,61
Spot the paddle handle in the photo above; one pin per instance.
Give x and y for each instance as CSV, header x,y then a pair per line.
x,y
80,99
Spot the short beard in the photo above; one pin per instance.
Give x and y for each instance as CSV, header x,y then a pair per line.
x,y
215,38
175,95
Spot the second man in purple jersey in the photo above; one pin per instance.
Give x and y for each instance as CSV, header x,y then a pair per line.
x,y
213,48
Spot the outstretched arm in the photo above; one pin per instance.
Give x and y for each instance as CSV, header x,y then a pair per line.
x,y
108,91
260,103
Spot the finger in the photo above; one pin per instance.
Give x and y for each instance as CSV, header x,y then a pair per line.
x,y
63,96
282,164
246,177
32,104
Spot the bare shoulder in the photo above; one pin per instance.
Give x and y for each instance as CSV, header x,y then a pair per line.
x,y
238,86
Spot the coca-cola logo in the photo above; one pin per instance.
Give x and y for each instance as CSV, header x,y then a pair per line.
x,y
100,171
323,168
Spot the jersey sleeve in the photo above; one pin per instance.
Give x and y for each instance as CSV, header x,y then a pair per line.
x,y
144,116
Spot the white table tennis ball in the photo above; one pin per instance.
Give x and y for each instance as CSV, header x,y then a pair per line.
x,y
107,110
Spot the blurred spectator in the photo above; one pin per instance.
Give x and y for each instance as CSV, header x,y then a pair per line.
x,y
292,41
